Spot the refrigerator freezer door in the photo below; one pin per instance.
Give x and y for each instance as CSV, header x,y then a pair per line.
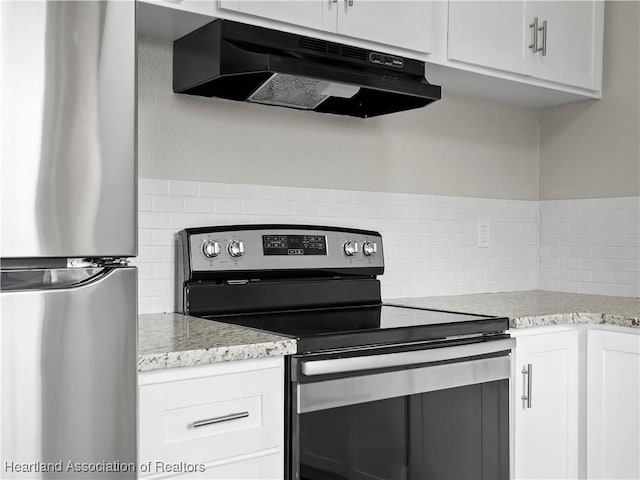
x,y
68,377
68,121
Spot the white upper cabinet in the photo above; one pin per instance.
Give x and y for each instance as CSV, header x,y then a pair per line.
x,y
489,34
401,24
404,24
569,42
555,45
319,14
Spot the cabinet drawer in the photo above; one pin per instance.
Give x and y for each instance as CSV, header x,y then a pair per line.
x,y
250,469
206,419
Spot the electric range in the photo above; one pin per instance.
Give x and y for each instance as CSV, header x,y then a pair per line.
x,y
373,386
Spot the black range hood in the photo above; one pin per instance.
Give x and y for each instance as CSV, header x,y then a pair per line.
x,y
247,63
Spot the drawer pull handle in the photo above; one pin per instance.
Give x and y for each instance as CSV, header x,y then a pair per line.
x,y
224,418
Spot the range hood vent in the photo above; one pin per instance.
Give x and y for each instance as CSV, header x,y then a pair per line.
x,y
247,63
322,46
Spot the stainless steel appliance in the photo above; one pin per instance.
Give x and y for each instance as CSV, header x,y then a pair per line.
x,y
375,391
248,63
68,376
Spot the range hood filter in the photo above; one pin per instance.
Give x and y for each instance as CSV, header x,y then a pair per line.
x,y
299,92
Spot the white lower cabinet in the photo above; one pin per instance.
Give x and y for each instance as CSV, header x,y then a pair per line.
x,y
546,372
220,421
613,407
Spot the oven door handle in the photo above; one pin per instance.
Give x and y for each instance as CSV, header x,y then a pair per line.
x,y
340,392
312,368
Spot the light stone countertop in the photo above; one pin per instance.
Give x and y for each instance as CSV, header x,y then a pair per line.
x,y
538,308
169,340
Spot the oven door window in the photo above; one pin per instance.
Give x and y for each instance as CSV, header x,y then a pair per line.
x,y
458,432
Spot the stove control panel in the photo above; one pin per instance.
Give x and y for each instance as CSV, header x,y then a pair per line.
x,y
279,247
294,245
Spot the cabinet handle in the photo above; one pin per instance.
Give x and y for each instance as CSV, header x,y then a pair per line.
x,y
534,26
349,3
526,385
224,418
333,1
543,49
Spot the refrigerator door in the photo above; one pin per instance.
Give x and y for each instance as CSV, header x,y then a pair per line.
x,y
68,118
68,374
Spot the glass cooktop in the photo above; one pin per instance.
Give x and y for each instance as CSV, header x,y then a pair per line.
x,y
330,328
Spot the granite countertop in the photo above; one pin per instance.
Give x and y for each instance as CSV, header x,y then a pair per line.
x,y
168,340
538,308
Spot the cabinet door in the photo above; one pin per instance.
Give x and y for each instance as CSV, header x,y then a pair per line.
x,y
488,34
404,24
613,415
319,14
573,41
546,432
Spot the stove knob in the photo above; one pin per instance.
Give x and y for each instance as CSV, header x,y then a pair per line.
x,y
235,248
350,248
369,248
210,248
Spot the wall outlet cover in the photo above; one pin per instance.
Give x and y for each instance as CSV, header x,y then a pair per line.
x,y
483,235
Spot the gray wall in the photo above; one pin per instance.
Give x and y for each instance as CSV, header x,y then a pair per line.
x,y
457,146
592,149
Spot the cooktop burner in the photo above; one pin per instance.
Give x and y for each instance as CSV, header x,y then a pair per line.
x,y
332,328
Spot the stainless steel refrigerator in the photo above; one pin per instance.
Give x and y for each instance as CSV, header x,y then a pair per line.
x,y
68,328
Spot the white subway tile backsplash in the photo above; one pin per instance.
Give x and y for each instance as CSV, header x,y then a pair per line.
x,y
153,186
154,254
268,192
182,220
588,246
144,203
183,188
198,205
593,244
162,237
255,207
153,220
220,190
242,191
144,236
165,203
154,287
430,241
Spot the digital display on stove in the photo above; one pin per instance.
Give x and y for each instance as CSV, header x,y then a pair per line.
x,y
292,245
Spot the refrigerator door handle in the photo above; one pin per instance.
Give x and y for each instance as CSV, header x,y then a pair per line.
x,y
45,279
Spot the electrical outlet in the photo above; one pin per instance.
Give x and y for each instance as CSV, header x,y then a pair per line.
x,y
483,235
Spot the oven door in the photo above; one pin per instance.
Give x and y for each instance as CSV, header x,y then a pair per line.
x,y
435,413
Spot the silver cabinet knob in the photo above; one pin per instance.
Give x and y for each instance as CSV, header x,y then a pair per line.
x,y
210,248
350,248
369,248
235,248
